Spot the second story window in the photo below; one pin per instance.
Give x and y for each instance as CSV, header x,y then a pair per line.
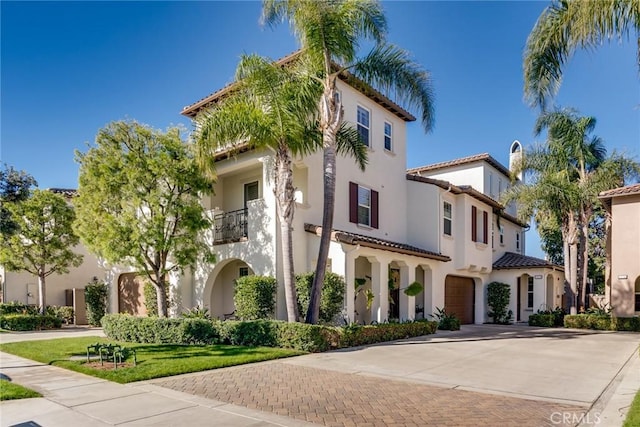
x,y
479,223
251,192
388,134
447,218
364,125
363,205
501,230
517,241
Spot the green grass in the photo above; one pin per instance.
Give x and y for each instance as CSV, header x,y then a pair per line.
x,y
12,391
633,416
154,360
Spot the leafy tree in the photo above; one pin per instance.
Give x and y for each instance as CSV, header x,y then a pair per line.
x,y
330,33
142,186
273,107
15,186
43,239
563,27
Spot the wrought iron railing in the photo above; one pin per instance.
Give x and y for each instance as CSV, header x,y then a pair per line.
x,y
230,226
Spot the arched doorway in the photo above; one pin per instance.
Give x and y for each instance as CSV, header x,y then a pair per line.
x,y
221,287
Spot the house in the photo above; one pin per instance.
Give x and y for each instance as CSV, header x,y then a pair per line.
x,y
624,249
440,225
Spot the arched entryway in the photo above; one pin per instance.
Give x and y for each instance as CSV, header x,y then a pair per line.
x,y
459,298
219,290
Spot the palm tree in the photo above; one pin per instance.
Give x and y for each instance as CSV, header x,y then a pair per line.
x,y
272,107
565,26
330,32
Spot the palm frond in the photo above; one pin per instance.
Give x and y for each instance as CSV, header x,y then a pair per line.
x,y
349,143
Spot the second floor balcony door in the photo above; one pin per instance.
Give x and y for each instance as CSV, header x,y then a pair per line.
x,y
251,192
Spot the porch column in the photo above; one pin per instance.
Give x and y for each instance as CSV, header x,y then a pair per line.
x,y
427,282
380,288
407,303
513,299
349,278
539,291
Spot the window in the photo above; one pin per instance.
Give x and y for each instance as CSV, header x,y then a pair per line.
x,y
479,225
243,271
447,221
499,187
363,205
387,136
491,193
251,192
501,235
517,240
637,294
530,292
363,125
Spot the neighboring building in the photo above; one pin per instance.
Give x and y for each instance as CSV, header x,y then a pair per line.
x,y
624,249
440,225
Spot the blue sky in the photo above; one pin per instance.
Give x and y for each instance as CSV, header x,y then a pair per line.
x,y
69,68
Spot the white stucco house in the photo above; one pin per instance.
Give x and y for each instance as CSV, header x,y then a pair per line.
x,y
440,225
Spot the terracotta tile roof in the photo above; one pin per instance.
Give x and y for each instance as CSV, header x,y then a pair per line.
x,y
462,161
193,109
375,243
629,190
467,189
512,260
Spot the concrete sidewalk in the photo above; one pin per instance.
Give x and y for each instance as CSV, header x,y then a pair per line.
x,y
74,399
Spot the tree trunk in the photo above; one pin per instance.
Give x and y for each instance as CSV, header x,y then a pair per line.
x,y
570,246
330,120
585,258
285,203
161,295
42,289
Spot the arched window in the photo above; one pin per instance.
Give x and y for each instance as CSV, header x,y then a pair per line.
x,y
515,147
637,294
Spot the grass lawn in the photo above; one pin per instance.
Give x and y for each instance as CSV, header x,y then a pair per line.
x,y
154,360
633,416
12,391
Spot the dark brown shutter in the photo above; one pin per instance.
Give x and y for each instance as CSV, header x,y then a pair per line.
x,y
485,223
474,215
353,202
374,209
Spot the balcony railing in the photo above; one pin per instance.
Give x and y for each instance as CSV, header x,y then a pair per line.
x,y
230,226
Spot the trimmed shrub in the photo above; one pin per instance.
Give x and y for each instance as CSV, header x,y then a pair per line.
x,y
631,324
65,313
255,297
588,321
252,333
544,320
331,299
357,335
15,307
305,337
156,330
498,295
95,295
29,322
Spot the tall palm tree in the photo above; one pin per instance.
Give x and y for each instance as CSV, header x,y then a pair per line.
x,y
330,32
565,26
272,107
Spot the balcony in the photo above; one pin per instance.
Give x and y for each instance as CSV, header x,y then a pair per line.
x,y
230,227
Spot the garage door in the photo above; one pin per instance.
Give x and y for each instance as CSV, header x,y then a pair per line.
x,y
131,294
459,298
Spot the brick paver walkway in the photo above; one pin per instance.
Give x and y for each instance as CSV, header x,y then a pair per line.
x,y
341,399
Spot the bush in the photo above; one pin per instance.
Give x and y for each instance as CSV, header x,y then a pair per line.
x,y
331,299
305,337
357,335
631,324
64,313
544,320
255,297
557,313
15,307
446,321
252,333
95,295
498,295
159,330
197,313
588,321
29,322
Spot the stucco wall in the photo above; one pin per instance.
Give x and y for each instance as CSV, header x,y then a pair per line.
x,y
625,253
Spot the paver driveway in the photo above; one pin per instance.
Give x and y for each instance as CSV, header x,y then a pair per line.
x,y
482,375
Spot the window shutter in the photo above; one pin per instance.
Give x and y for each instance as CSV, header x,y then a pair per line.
x,y
353,202
374,209
485,226
474,218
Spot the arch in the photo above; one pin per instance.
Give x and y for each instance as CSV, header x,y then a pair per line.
x,y
516,147
218,291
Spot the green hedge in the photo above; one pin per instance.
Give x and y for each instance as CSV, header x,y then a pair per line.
x,y
602,322
29,322
160,330
269,333
15,307
631,324
544,320
255,297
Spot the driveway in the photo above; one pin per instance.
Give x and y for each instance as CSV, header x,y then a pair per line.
x,y
481,375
